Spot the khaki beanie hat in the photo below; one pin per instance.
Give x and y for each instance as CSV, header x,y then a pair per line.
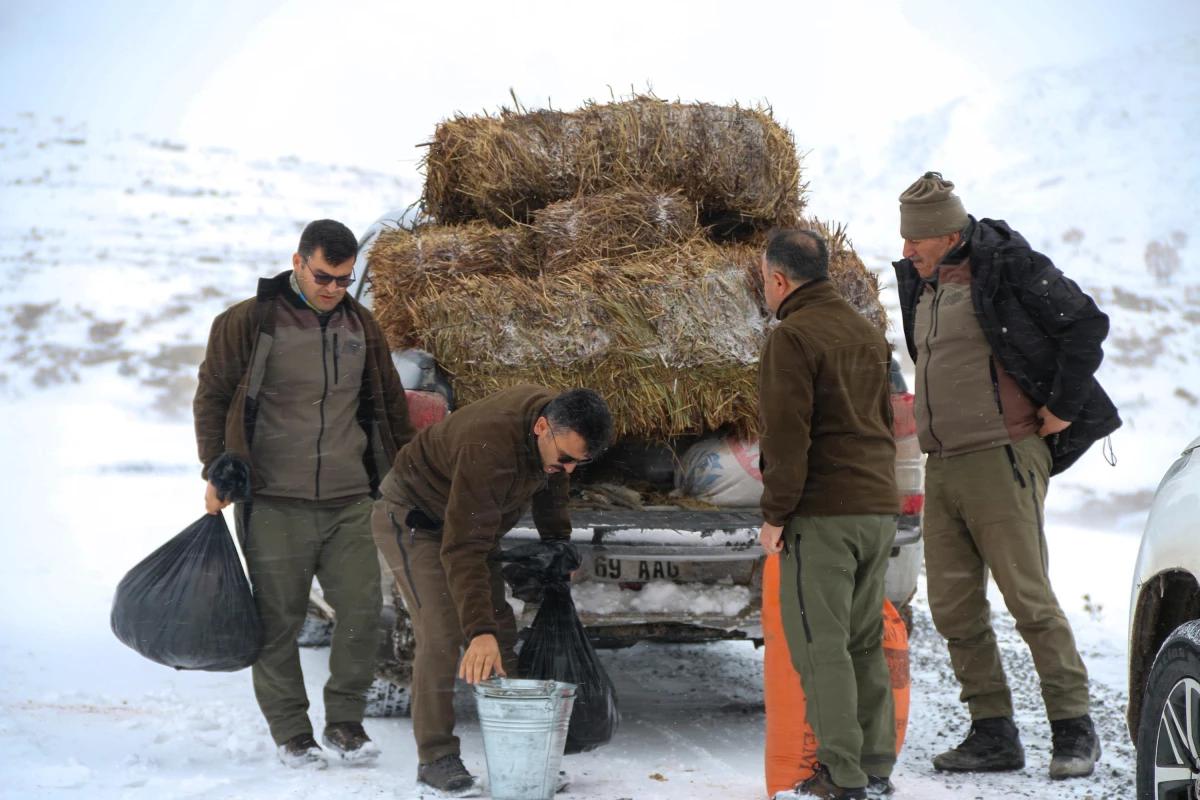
x,y
930,208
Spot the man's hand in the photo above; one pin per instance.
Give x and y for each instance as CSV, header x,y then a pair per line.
x,y
211,504
1050,423
771,538
481,658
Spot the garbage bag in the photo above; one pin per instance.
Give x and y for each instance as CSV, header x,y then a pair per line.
x,y
189,605
557,647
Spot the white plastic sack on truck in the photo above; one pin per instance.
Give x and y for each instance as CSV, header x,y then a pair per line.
x,y
722,471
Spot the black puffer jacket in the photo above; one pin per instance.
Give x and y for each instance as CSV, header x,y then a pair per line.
x,y
1043,329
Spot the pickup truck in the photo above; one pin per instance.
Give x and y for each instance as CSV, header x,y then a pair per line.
x,y
655,571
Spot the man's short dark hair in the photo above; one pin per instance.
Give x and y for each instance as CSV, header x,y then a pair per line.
x,y
802,255
582,411
337,243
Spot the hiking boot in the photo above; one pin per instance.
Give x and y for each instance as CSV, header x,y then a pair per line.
x,y
878,788
821,785
447,777
993,745
1076,748
302,752
350,741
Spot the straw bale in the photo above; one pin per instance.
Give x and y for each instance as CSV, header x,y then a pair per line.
x,y
612,225
670,337
732,162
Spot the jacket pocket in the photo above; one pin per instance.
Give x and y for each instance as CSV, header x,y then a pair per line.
x,y
404,558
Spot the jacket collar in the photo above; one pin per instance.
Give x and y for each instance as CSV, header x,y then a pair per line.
x,y
812,292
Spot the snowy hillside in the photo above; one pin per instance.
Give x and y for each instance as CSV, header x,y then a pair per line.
x,y
121,250
1099,167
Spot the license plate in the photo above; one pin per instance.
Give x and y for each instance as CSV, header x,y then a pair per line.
x,y
623,570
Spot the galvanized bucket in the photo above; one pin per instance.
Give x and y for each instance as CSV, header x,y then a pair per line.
x,y
524,727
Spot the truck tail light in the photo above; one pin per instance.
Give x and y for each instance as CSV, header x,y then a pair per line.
x,y
426,408
910,465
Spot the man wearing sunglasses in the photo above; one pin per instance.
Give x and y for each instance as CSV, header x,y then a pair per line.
x,y
453,491
298,381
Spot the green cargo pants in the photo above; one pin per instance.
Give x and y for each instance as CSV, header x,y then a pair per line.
x,y
983,511
831,580
286,543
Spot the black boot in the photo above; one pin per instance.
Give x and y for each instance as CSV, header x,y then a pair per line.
x,y
447,777
879,788
993,745
1076,748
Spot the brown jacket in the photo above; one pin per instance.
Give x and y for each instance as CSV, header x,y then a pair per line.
x,y
475,473
825,402
235,365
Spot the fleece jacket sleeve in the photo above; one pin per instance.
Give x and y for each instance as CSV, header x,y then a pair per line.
x,y
226,361
550,514
785,408
470,531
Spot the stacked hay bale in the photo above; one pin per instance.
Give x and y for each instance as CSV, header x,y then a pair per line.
x,y
615,247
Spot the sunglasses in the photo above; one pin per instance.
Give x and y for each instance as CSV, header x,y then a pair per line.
x,y
566,459
324,278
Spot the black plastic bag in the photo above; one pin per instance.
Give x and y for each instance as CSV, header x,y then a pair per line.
x,y
557,647
189,605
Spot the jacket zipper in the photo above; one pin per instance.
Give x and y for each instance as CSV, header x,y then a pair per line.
x,y
324,392
1012,460
996,385
929,335
404,557
800,594
335,355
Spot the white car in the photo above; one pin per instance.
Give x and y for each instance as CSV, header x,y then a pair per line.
x,y
1164,639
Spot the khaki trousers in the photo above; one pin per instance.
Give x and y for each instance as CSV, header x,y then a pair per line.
x,y
984,511
415,560
286,543
831,588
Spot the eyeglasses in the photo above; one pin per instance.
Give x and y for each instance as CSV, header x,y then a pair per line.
x,y
324,278
566,459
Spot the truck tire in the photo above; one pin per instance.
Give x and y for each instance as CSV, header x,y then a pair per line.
x,y
1169,731
389,695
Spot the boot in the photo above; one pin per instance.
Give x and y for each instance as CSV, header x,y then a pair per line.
x,y
879,788
993,745
350,741
1076,748
302,752
447,777
821,785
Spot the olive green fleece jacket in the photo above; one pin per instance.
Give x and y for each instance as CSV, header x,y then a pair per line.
x,y
825,405
235,366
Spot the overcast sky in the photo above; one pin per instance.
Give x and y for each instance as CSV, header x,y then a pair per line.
x,y
362,81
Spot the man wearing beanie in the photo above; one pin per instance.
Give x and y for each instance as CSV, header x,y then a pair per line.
x,y
1006,348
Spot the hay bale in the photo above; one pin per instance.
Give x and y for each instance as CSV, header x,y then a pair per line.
x,y
735,164
856,283
671,337
612,225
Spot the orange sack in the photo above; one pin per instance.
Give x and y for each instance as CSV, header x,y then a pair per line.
x,y
791,746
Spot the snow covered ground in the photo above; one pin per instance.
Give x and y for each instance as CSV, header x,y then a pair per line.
x,y
119,250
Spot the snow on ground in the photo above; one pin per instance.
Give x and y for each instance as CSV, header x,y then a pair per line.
x,y
120,249
83,716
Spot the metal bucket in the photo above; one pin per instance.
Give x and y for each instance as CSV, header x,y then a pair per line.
x,y
524,727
